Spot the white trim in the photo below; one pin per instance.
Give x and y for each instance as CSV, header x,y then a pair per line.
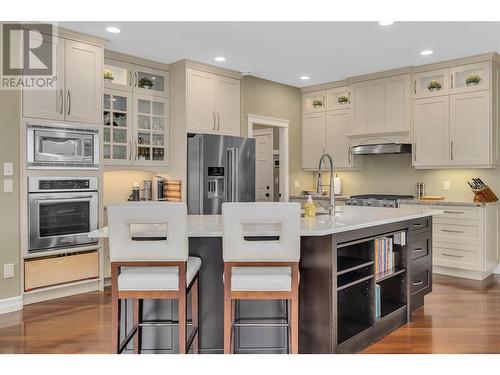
x,y
8,305
59,291
283,125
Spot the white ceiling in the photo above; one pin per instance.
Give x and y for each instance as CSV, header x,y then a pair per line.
x,y
284,51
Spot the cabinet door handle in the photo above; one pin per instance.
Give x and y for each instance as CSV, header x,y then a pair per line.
x,y
69,102
415,151
418,225
129,150
418,249
415,86
136,77
349,156
452,255
213,128
453,212
218,121
451,231
451,149
130,78
61,96
349,96
452,81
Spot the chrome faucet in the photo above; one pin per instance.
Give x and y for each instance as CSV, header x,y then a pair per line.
x,y
319,187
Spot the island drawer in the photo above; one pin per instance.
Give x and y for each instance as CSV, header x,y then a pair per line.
x,y
421,279
421,246
421,224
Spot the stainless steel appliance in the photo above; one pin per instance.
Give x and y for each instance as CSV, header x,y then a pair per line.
x,y
220,169
147,190
381,148
158,187
62,211
62,146
377,200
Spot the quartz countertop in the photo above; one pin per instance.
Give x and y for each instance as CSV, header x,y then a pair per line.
x,y
346,218
445,202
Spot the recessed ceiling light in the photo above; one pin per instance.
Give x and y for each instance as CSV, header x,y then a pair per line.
x,y
113,29
220,58
304,78
385,23
426,52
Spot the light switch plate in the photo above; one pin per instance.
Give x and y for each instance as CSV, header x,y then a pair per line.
x,y
446,185
8,186
8,169
297,183
8,271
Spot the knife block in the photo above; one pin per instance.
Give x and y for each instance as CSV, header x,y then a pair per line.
x,y
484,195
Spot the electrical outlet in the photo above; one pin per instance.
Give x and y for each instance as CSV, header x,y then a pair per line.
x,y
8,186
8,169
8,271
297,183
446,185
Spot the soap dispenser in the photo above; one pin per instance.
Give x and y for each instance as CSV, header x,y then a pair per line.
x,y
337,185
309,207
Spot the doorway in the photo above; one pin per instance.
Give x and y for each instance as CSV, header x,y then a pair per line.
x,y
271,166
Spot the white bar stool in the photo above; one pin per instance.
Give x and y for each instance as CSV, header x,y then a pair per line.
x,y
148,246
261,251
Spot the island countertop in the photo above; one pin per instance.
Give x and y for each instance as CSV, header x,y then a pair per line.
x,y
346,218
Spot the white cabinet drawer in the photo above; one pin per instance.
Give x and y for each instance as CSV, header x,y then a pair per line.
x,y
458,231
457,256
460,212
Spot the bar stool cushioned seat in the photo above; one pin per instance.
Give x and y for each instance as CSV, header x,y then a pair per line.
x,y
261,279
156,278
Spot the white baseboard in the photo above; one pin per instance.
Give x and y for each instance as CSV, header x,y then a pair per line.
x,y
456,272
11,304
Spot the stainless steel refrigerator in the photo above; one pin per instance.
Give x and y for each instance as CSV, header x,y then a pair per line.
x,y
220,169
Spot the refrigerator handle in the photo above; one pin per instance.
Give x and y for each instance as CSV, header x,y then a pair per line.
x,y
236,175
232,175
228,175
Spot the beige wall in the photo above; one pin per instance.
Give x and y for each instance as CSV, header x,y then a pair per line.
x,y
266,98
10,110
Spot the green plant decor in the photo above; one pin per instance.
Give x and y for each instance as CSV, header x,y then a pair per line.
x,y
108,74
472,79
434,85
317,103
342,99
145,83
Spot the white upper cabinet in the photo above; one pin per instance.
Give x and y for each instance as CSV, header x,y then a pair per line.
x,y
431,132
117,127
117,75
381,106
213,103
313,102
432,83
48,104
227,106
313,139
337,142
470,128
83,69
78,97
470,77
148,81
338,98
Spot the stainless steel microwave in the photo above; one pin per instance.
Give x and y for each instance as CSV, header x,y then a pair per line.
x,y
62,147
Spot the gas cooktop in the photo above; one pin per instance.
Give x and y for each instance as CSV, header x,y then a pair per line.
x,y
377,200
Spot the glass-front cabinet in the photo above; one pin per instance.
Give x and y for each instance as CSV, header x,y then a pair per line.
x,y
117,75
117,127
151,130
431,83
470,77
150,81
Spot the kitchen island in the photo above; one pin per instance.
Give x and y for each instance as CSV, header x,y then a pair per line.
x,y
338,284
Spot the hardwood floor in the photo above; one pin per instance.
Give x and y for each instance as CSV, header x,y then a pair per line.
x,y
459,316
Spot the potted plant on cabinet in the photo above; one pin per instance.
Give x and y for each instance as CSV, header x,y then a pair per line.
x,y
145,83
108,76
342,99
317,103
472,79
434,85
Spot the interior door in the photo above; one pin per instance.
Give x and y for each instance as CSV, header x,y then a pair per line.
x,y
264,147
48,104
227,101
469,128
431,131
83,82
201,116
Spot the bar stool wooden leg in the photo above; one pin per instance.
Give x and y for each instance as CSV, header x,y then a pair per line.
x,y
228,324
115,311
295,310
137,320
233,329
182,310
194,314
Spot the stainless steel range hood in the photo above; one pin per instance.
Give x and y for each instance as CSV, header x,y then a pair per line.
x,y
382,148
